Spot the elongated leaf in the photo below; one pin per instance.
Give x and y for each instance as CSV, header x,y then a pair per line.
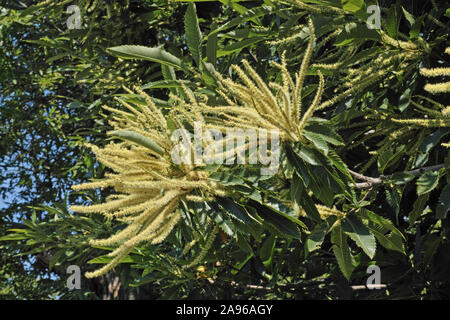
x,y
427,182
236,211
169,75
443,205
352,5
14,236
106,259
375,218
139,139
308,155
237,46
170,83
300,198
211,46
317,236
418,207
193,33
342,251
326,133
282,224
226,178
317,140
267,250
390,241
359,233
146,53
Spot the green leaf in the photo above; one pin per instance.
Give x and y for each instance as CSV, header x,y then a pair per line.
x,y
326,133
308,155
393,21
145,53
384,231
409,16
13,236
169,76
352,5
432,140
106,259
401,178
238,46
427,182
447,13
226,178
418,207
415,28
193,33
236,211
317,236
55,258
139,139
355,34
267,250
443,205
342,251
211,46
301,199
385,223
281,223
317,140
359,233
390,241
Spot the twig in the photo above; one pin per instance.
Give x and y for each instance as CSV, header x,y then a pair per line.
x,y
371,182
369,286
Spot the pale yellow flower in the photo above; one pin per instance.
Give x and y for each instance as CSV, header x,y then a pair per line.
x,y
149,185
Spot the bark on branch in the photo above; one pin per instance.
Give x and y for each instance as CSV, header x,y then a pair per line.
x,y
371,182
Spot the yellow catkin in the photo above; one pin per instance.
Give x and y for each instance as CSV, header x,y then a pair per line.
x,y
446,111
431,123
205,249
148,186
436,72
438,87
254,105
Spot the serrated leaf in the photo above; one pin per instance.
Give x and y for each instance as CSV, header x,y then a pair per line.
x,y
427,182
300,198
193,33
317,236
388,239
146,53
139,139
443,205
418,207
352,5
308,155
13,236
283,224
359,233
106,259
226,178
236,211
326,133
238,46
342,251
267,250
385,223
408,16
317,140
211,45
401,178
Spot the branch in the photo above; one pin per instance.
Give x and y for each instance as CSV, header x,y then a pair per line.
x,y
371,182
